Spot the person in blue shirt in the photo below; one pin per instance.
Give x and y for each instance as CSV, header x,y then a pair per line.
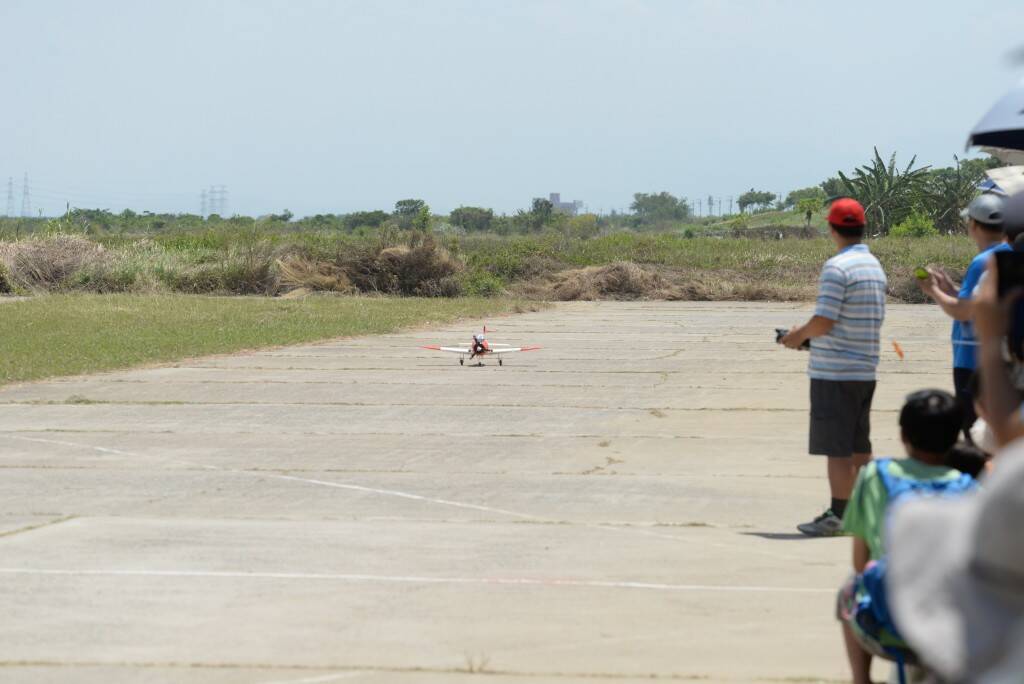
x,y
984,219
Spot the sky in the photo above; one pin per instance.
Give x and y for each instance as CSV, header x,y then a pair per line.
x,y
324,106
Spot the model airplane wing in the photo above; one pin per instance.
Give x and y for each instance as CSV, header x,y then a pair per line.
x,y
508,350
452,350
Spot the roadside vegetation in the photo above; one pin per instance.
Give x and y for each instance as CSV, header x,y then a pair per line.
x,y
550,266
71,334
772,249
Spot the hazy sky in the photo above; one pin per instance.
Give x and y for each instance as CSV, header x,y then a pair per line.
x,y
336,106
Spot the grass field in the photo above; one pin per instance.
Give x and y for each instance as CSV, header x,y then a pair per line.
x,y
69,334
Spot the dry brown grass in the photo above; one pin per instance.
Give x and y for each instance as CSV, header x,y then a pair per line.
x,y
48,263
626,280
301,273
424,270
620,280
726,286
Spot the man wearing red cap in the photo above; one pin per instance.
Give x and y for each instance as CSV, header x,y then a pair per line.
x,y
844,339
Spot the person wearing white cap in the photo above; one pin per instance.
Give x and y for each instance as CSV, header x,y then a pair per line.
x,y
956,578
984,220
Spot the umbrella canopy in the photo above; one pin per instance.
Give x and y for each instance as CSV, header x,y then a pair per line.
x,y
1003,126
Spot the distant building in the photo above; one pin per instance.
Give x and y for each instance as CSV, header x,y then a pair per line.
x,y
569,208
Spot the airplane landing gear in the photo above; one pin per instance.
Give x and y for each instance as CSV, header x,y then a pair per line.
x,y
462,361
500,362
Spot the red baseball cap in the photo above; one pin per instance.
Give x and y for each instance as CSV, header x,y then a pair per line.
x,y
846,212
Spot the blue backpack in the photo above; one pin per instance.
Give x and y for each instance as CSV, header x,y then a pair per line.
x,y
871,616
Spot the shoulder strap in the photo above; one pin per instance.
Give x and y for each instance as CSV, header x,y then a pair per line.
x,y
895,486
882,468
898,486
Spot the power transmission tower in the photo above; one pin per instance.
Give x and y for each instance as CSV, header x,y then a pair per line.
x,y
730,204
10,197
222,200
217,199
26,198
700,210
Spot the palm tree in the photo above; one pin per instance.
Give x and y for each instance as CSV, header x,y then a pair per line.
x,y
888,194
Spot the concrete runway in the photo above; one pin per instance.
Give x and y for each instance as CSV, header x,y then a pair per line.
x,y
617,506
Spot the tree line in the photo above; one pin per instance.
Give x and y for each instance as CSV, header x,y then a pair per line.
x,y
897,198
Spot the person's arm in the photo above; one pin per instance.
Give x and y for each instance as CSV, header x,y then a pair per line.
x,y
992,318
956,308
861,555
831,293
816,327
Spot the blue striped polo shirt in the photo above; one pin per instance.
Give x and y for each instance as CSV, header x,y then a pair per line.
x,y
851,292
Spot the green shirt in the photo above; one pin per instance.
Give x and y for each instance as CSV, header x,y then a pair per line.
x,y
865,514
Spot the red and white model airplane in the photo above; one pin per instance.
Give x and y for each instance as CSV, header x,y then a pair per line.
x,y
479,346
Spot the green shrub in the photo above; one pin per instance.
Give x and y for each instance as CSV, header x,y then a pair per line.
x,y
104,279
482,284
916,225
231,275
5,281
741,221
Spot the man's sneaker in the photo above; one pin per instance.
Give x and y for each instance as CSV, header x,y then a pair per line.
x,y
828,524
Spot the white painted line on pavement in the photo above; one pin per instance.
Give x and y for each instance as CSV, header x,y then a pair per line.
x,y
395,493
417,579
291,478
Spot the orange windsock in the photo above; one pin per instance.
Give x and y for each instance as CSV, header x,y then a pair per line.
x,y
898,349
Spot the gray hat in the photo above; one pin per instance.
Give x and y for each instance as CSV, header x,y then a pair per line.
x,y
1013,216
986,208
956,574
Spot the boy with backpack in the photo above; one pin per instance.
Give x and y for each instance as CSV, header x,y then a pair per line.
x,y
930,422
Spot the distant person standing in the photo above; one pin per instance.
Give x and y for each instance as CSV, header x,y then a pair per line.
x,y
844,333
984,219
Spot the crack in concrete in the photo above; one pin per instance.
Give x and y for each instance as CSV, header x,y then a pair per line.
x,y
654,411
476,435
39,526
412,669
601,469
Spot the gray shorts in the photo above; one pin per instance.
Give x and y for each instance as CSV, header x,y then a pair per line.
x,y
841,417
